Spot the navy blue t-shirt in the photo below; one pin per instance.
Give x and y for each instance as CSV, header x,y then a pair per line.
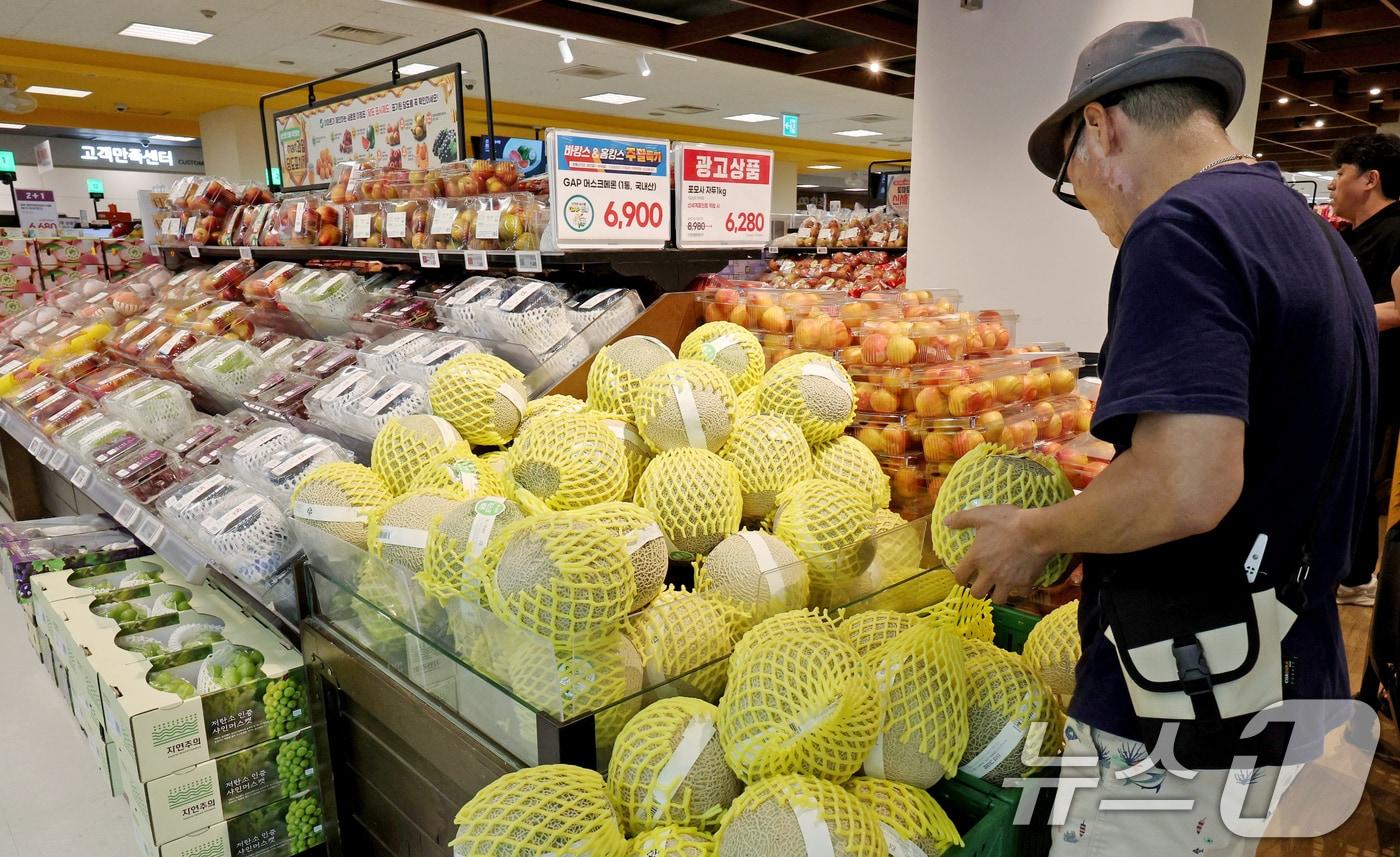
x,y
1227,300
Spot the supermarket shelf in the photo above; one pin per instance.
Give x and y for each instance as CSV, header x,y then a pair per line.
x,y
774,250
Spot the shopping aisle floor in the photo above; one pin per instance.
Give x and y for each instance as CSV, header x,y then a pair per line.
x,y
53,800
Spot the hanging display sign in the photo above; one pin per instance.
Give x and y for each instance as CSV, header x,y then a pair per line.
x,y
414,124
897,196
43,156
609,190
723,196
37,209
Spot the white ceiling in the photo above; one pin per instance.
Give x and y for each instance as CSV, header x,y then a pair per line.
x,y
262,34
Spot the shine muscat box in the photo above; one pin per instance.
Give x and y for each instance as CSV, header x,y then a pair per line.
x,y
280,829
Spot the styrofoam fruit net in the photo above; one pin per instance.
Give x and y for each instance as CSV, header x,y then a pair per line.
x,y
1053,647
799,816
398,529
684,403
694,495
338,498
389,354
548,809
1004,698
646,545
459,471
452,562
633,447
157,409
560,577
529,313
405,445
764,635
923,687
546,406
868,631
812,390
679,633
668,768
730,348
770,454
481,395
228,666
499,461
170,602
618,369
568,462
910,813
827,524
746,403
193,634
246,457
571,682
967,616
756,572
285,470
992,475
251,536
807,704
334,398
389,399
673,841
846,459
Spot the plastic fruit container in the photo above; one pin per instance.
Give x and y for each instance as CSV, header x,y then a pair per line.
x,y
390,397
186,502
283,400
344,185
157,409
888,434
116,447
464,308
63,413
944,440
221,281
507,222
421,366
309,221
396,312
24,397
159,357
85,437
215,195
333,398
1082,459
249,535
529,313
404,220
993,331
770,310
230,319
451,222
284,470
208,454
147,472
320,359
1060,419
388,354
262,286
109,380
941,339
79,366
909,494
198,432
130,340
366,224
325,300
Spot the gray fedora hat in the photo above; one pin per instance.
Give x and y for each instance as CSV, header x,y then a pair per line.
x,y
1131,54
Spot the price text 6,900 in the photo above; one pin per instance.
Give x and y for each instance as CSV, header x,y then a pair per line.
x,y
633,214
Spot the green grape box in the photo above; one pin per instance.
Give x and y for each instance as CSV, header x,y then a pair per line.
x,y
187,801
62,584
104,752
282,829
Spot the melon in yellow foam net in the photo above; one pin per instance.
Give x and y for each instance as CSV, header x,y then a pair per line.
x,y
909,813
646,545
633,447
746,403
544,407
458,470
799,816
482,396
673,841
452,560
398,529
1003,693
846,459
756,572
812,390
668,768
338,498
827,524
679,633
618,369
730,348
765,634
870,630
694,495
770,454
967,616
1052,648
569,462
548,809
924,693
684,403
406,444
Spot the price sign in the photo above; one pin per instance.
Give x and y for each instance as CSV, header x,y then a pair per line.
x,y
194,251
722,196
39,450
58,460
245,253
476,260
149,530
429,259
81,477
609,190
528,262
127,512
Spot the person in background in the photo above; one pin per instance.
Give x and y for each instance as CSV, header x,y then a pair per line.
x,y
1365,193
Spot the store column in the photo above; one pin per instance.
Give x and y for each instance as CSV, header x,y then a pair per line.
x,y
983,219
232,140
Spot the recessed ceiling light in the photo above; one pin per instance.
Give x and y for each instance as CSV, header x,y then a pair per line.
x,y
751,117
1318,123
859,132
58,90
1375,90
875,66
415,68
808,186
1305,3
171,138
1283,99
12,126
613,98
165,34
823,167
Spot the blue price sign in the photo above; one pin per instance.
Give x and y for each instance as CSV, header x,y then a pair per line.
x,y
789,124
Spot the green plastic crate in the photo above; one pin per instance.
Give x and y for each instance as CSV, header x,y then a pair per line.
x,y
985,815
1012,627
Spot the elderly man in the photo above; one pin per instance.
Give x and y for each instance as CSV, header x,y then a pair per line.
x,y
1238,387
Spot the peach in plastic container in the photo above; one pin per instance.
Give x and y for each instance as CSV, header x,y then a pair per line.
x,y
769,310
262,286
222,280
921,342
108,380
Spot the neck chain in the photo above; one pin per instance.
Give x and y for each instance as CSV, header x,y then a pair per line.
x,y
1225,160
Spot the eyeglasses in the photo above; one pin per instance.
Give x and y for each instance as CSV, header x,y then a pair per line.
x,y
1067,196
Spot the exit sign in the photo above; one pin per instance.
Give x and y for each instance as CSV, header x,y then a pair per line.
x,y
273,177
7,161
95,186
789,124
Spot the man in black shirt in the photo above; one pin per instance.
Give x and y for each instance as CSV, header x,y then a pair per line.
x,y
1365,192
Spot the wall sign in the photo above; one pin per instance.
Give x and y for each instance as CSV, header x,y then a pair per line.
x,y
897,196
122,155
609,190
722,196
415,124
37,209
789,124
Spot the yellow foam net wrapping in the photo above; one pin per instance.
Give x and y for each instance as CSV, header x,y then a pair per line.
x,y
812,390
452,561
896,547
923,687
846,459
910,813
783,814
646,544
544,407
765,634
633,446
561,577
746,403
668,768
1004,699
398,529
694,495
756,572
405,444
338,498
728,347
673,841
482,396
770,454
568,462
498,460
1052,648
680,632
458,470
807,704
684,403
569,683
870,630
549,809
968,617
827,524
992,475
618,369
915,593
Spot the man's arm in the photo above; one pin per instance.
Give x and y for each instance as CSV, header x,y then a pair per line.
x,y
1182,475
1387,316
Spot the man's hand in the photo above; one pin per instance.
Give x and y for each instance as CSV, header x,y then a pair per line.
x,y
1002,561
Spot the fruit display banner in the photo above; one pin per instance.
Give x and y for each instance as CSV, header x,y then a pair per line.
x,y
898,195
722,196
414,124
609,190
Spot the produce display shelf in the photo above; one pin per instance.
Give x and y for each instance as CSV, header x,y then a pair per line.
x,y
779,250
495,260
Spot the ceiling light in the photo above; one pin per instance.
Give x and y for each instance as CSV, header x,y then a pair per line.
x,y
1312,103
1283,99
165,34
1258,154
415,68
1318,123
823,167
171,138
613,98
1305,3
566,53
875,66
808,186
1375,90
859,132
58,90
751,117
12,126
642,65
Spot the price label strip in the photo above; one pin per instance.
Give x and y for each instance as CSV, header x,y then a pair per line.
x,y
722,196
127,512
476,260
528,262
149,530
429,259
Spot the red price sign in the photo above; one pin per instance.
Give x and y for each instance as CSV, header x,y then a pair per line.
x,y
630,214
744,221
723,196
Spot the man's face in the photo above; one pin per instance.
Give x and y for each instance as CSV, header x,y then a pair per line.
x,y
1350,188
1089,172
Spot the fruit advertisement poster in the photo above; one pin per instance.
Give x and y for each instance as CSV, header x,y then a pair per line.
x,y
414,124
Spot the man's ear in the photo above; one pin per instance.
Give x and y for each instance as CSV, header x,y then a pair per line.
x,y
1371,179
1099,125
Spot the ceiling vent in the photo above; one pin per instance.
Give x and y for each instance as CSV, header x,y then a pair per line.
x,y
870,118
688,109
591,72
363,35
